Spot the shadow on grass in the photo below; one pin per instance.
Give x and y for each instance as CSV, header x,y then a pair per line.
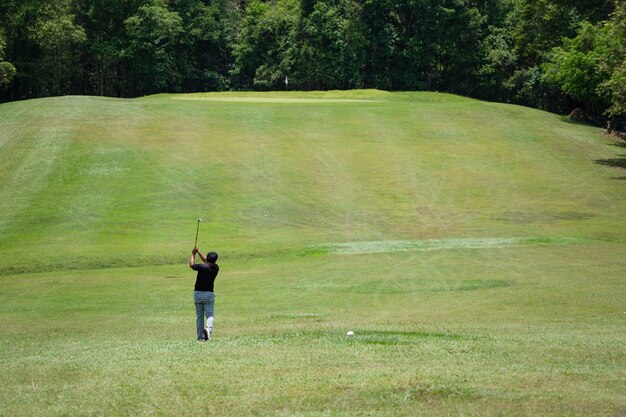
x,y
619,162
565,118
613,162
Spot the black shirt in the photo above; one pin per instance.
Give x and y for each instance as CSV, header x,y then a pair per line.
x,y
206,276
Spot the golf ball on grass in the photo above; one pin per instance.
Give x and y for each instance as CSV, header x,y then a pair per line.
x,y
350,333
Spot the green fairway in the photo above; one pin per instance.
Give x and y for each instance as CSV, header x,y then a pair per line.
x,y
476,250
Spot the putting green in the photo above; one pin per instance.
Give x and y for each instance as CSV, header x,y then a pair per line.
x,y
276,100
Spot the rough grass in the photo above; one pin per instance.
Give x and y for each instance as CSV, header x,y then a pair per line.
x,y
475,249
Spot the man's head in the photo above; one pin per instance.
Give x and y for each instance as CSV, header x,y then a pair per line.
x,y
211,257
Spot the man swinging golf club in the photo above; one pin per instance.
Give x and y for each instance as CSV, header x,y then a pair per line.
x,y
203,295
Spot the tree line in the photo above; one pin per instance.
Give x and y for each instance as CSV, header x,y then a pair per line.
x,y
549,54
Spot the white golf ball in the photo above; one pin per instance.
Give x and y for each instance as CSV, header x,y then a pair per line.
x,y
350,333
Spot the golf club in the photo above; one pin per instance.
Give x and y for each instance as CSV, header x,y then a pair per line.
x,y
197,229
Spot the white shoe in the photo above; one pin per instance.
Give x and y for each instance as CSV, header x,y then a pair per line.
x,y
207,334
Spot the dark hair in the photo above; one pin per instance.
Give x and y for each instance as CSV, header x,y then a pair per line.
x,y
211,257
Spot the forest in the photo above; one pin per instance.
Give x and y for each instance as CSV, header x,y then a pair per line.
x,y
556,55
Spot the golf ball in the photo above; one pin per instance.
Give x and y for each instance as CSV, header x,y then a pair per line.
x,y
350,333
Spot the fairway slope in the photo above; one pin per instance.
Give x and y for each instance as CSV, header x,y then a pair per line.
x,y
475,249
86,180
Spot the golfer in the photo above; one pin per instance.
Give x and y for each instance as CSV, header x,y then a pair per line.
x,y
203,295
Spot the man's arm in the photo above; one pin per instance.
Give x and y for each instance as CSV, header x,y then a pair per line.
x,y
202,256
192,260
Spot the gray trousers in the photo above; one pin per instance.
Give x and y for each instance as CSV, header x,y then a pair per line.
x,y
205,306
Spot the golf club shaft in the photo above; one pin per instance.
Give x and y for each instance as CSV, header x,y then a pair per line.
x,y
197,229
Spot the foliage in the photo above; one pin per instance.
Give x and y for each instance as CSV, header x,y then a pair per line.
x,y
154,35
264,50
613,63
615,89
498,63
204,56
60,41
590,66
330,51
538,26
7,70
382,38
104,22
551,54
574,66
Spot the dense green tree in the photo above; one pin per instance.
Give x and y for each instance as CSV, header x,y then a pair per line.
x,y
306,7
381,42
590,67
8,28
330,51
7,70
440,44
613,63
104,22
574,67
45,44
204,55
60,43
498,65
264,52
615,90
154,33
536,27
539,25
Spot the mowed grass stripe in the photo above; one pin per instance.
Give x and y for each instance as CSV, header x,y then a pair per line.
x,y
22,184
441,244
346,248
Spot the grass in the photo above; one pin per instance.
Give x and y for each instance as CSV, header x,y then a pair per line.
x,y
475,249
